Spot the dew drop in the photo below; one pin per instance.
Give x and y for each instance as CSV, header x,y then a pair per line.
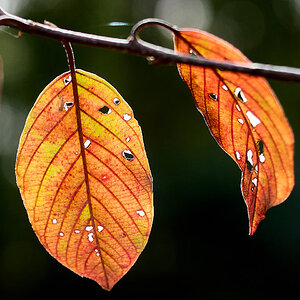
x,y
67,80
240,95
127,139
105,110
224,87
67,105
116,101
238,155
141,213
77,231
128,155
126,117
262,158
54,221
241,121
249,160
238,108
213,97
87,143
252,118
61,234
256,169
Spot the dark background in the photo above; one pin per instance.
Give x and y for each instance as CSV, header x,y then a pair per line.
x,y
199,247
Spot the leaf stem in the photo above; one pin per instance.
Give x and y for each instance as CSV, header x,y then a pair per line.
x,y
136,46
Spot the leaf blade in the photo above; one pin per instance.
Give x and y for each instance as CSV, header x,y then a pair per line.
x,y
81,195
246,119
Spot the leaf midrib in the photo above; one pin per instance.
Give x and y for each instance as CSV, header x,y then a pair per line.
x,y
84,163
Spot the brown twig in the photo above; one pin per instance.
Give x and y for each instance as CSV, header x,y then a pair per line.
x,y
133,44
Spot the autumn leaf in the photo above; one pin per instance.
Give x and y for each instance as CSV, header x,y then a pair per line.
x,y
246,119
84,178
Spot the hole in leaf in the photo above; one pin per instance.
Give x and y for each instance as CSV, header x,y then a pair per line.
x,y
260,145
224,87
254,181
238,155
262,158
126,117
213,97
192,52
249,160
128,155
87,143
116,101
105,110
240,95
252,118
67,80
67,105
141,213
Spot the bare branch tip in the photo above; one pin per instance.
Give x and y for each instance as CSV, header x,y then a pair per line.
x,y
2,11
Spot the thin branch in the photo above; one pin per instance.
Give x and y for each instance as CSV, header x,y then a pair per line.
x,y
133,44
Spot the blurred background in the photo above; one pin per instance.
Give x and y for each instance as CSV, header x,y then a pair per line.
x,y
199,247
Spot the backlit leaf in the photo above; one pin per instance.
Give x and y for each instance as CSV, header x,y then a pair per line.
x,y
246,119
84,178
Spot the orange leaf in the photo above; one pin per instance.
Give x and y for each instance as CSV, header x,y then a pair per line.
x,y
246,119
84,178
